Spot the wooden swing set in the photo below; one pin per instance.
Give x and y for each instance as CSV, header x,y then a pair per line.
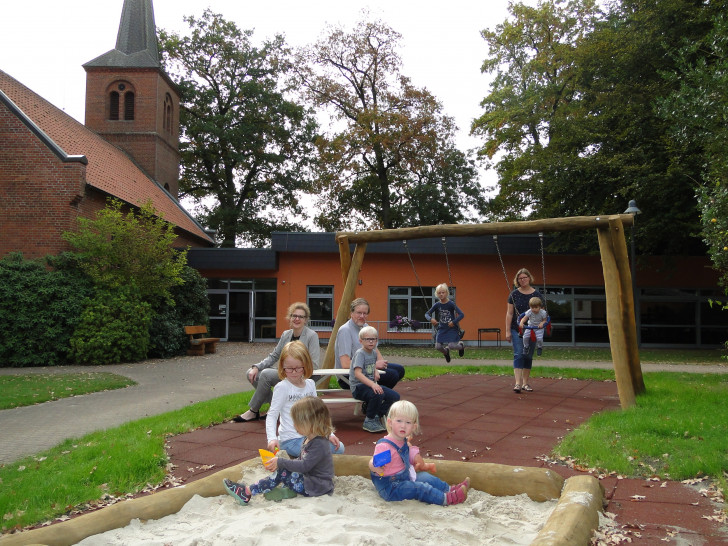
x,y
615,265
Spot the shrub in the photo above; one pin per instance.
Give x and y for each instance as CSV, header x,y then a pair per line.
x,y
40,305
114,328
191,306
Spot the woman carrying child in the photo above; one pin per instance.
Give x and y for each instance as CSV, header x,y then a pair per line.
x,y
312,474
398,480
294,370
446,317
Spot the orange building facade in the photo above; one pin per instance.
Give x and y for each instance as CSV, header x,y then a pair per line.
x,y
251,289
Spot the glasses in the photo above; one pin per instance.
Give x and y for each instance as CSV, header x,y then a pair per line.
x,y
299,317
361,313
293,370
521,278
368,339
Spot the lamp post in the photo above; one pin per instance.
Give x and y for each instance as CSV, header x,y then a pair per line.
x,y
634,211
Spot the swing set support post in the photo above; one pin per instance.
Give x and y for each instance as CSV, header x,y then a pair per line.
x,y
619,243
342,315
617,279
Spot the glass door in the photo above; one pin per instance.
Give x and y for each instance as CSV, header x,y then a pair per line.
x,y
239,316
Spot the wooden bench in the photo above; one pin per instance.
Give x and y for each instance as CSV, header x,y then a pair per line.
x,y
200,345
324,374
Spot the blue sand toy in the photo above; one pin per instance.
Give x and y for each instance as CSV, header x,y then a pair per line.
x,y
380,459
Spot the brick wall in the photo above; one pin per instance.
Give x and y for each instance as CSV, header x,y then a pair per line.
x,y
40,194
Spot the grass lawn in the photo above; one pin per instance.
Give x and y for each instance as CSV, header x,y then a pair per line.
x,y
678,430
26,390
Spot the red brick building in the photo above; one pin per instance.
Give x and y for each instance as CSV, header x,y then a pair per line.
x,y
54,169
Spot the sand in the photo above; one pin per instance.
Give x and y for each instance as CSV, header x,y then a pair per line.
x,y
354,514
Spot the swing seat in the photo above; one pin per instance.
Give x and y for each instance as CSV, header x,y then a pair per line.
x,y
547,328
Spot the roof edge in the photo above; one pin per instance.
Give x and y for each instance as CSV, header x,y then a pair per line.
x,y
37,131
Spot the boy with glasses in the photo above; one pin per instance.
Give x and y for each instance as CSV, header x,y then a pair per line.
x,y
363,379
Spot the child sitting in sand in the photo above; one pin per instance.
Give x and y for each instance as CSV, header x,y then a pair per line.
x,y
312,474
397,480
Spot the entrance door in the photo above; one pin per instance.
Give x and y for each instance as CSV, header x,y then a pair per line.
x,y
239,319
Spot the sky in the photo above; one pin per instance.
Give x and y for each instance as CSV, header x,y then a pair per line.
x,y
43,43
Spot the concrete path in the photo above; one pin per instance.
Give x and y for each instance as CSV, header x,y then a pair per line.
x,y
166,385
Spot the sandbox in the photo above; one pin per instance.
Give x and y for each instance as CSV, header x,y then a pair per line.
x,y
572,521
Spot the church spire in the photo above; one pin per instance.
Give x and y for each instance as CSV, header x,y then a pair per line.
x,y
136,42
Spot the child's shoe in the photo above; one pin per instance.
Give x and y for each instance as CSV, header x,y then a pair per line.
x,y
373,425
465,483
456,497
237,491
461,351
447,355
539,350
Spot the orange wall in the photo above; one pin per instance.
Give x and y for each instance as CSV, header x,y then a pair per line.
x,y
481,286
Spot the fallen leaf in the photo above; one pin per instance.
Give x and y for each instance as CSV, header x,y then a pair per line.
x,y
638,497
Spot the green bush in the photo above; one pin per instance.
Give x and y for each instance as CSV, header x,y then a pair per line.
x,y
114,328
40,305
191,307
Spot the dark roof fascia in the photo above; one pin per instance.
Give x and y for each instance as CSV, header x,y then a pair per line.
x,y
483,245
260,259
44,138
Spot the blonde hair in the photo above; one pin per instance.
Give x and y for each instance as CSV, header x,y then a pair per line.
x,y
406,409
311,417
534,301
522,271
368,331
297,351
298,305
442,286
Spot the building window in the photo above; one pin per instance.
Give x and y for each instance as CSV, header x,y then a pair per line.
x,y
167,121
411,302
114,105
320,300
129,106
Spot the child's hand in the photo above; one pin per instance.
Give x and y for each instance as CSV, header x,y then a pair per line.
x,y
271,465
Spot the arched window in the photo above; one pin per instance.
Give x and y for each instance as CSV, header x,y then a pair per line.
x,y
167,122
114,105
129,106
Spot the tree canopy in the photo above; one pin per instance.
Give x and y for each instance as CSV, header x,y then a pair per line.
x,y
571,122
388,158
244,142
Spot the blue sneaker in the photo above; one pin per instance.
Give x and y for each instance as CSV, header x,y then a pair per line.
x,y
237,491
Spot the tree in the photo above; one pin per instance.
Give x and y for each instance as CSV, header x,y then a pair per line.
x,y
573,114
389,153
698,113
243,142
119,249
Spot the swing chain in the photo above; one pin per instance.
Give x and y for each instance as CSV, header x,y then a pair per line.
x,y
419,284
543,264
503,267
447,262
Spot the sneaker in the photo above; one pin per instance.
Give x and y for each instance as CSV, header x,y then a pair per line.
x,y
465,483
373,425
447,356
461,352
237,491
539,351
517,389
456,497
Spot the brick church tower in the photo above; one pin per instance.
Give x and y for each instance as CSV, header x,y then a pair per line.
x,y
130,100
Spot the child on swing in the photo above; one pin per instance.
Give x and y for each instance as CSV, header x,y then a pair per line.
x,y
536,318
398,480
311,475
446,317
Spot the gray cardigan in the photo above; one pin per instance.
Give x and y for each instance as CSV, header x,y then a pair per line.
x,y
316,464
308,337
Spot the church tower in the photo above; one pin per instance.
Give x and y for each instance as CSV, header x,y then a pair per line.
x,y
130,100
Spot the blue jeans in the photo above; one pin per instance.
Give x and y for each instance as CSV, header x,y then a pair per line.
x,y
377,404
521,359
427,488
294,445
